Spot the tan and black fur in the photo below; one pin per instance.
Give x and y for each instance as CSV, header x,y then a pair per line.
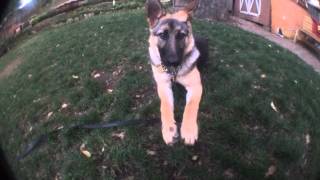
x,y
174,54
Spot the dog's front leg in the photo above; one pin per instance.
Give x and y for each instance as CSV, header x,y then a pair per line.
x,y
164,88
169,128
189,126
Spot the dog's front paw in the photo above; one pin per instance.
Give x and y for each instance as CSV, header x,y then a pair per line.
x,y
169,133
189,133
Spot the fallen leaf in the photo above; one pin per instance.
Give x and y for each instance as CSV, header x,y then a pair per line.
x,y
119,135
97,75
271,170
84,151
114,73
75,77
36,100
274,107
64,105
195,158
151,153
83,146
49,115
110,91
256,87
308,139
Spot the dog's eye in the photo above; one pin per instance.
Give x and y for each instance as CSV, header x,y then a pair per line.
x,y
164,35
181,36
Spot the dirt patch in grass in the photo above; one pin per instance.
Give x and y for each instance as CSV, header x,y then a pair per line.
x,y
10,68
108,80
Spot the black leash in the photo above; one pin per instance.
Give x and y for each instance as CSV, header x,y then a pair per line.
x,y
40,140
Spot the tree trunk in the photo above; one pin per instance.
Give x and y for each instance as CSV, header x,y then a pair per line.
x,y
212,9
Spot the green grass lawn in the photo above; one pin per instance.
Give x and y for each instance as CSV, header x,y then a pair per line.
x,y
241,135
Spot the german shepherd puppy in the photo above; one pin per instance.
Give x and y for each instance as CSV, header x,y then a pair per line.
x,y
174,56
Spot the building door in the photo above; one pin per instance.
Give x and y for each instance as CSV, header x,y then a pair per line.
x,y
258,11
250,7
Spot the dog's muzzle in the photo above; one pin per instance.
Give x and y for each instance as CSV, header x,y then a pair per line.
x,y
172,61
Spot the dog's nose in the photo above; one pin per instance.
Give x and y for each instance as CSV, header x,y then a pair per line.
x,y
173,60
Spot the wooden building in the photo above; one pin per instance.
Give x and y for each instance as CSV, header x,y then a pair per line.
x,y
258,11
293,19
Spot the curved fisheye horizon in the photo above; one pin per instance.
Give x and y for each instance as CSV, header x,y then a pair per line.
x,y
160,89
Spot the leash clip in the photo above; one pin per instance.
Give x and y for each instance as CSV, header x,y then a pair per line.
x,y
170,70
163,68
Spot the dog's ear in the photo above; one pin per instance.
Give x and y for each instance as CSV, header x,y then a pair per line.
x,y
154,11
191,7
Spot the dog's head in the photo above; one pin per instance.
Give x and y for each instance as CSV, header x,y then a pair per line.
x,y
170,33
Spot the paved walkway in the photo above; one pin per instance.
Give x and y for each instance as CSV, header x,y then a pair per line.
x,y
295,48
